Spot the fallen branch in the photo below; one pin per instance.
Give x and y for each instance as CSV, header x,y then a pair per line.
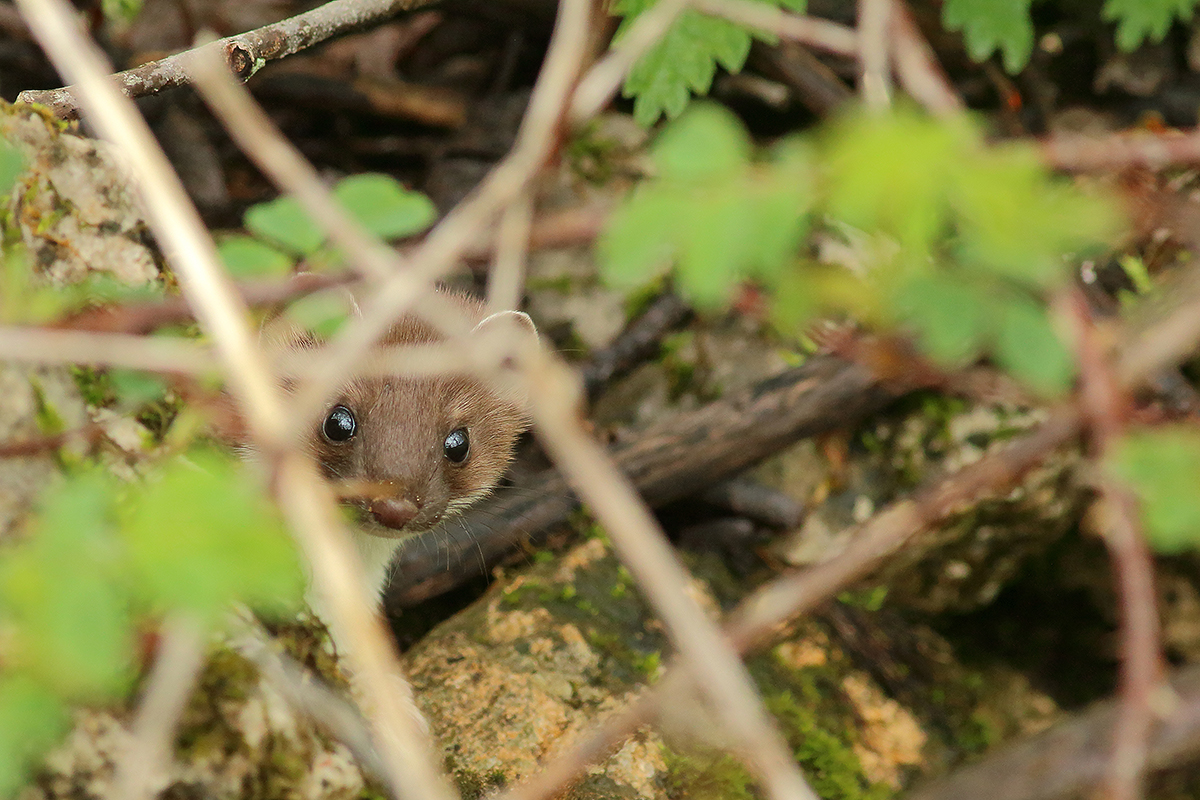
x,y
671,460
1070,758
244,54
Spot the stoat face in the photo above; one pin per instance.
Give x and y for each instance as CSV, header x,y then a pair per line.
x,y
420,449
410,451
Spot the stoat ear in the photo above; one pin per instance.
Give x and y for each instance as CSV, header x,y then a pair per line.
x,y
503,335
512,330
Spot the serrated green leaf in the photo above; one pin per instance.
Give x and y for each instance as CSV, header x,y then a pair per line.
x,y
990,25
949,314
708,142
202,535
1138,20
1162,466
283,222
247,257
32,720
384,206
12,164
1027,347
66,573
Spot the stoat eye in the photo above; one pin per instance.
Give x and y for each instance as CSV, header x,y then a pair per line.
x,y
339,424
457,445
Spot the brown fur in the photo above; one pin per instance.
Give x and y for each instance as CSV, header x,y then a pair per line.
x,y
402,423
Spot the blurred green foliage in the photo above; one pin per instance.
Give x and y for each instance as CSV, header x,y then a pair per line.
x,y
283,231
101,558
971,237
1162,466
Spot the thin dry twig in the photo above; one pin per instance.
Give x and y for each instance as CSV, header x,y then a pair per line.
x,y
39,345
244,54
1076,152
820,34
307,502
180,659
462,226
917,66
643,548
874,56
507,275
1115,517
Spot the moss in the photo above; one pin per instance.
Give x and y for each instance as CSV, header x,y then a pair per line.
x,y
706,775
93,385
203,728
827,757
473,785
49,420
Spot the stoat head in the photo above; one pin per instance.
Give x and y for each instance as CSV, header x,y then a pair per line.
x,y
408,451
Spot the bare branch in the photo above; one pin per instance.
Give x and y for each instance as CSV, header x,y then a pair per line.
x,y
1115,518
307,502
820,34
42,346
244,54
1077,152
874,53
506,280
643,548
462,226
917,66
180,659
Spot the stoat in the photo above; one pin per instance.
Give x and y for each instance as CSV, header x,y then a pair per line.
x,y
422,447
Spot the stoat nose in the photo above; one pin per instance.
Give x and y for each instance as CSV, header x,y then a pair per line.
x,y
393,512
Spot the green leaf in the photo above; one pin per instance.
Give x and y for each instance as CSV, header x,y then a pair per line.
x,y
949,314
1017,221
724,217
1162,466
283,222
322,313
203,535
684,60
136,389
384,206
990,25
781,194
1138,20
65,574
247,257
715,246
637,244
891,173
32,720
12,164
1027,347
708,142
